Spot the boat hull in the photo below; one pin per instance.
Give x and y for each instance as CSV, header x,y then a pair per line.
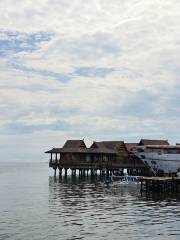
x,y
160,163
124,184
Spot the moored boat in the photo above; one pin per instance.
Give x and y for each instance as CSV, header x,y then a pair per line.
x,y
121,181
161,159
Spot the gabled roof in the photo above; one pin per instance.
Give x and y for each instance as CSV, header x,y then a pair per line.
x,y
70,146
130,146
153,142
107,146
100,147
74,144
97,145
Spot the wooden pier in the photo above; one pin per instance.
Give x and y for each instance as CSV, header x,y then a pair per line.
x,y
160,184
92,169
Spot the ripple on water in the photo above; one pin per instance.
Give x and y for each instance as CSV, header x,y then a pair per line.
x,y
116,212
33,207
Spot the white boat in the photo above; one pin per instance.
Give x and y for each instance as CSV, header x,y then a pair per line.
x,y
122,181
161,159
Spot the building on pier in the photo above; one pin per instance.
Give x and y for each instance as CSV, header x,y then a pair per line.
x,y
104,156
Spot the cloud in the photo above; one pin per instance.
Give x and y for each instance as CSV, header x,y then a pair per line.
x,y
101,69
92,71
15,42
43,73
19,127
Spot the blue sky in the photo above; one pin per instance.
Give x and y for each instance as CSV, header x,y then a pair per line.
x,y
99,70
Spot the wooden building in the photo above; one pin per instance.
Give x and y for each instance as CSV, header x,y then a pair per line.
x,y
104,156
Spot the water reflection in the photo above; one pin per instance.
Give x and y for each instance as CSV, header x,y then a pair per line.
x,y
160,196
85,209
75,190
35,207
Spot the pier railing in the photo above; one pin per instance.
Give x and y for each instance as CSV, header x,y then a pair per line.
x,y
93,165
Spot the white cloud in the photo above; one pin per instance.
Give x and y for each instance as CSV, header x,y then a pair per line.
x,y
109,69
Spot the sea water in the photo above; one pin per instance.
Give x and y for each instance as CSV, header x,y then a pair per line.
x,y
35,205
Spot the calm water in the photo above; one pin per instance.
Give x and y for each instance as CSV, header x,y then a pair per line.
x,y
34,205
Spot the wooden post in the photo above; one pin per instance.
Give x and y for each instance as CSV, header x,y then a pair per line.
x,y
60,172
107,172
56,158
83,172
55,172
74,172
141,185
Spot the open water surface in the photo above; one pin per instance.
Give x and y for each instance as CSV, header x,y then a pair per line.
x,y
35,205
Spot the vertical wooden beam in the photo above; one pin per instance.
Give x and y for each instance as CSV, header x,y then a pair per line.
x,y
56,158
83,172
55,172
74,172
107,172
60,172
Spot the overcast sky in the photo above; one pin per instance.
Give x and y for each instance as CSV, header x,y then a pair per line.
x,y
93,69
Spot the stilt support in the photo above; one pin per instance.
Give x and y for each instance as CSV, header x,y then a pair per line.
x,y
65,172
60,172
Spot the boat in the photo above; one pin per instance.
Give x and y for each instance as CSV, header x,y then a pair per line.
x,y
161,159
121,181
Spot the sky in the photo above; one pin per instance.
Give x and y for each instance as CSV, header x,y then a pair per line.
x,y
92,69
